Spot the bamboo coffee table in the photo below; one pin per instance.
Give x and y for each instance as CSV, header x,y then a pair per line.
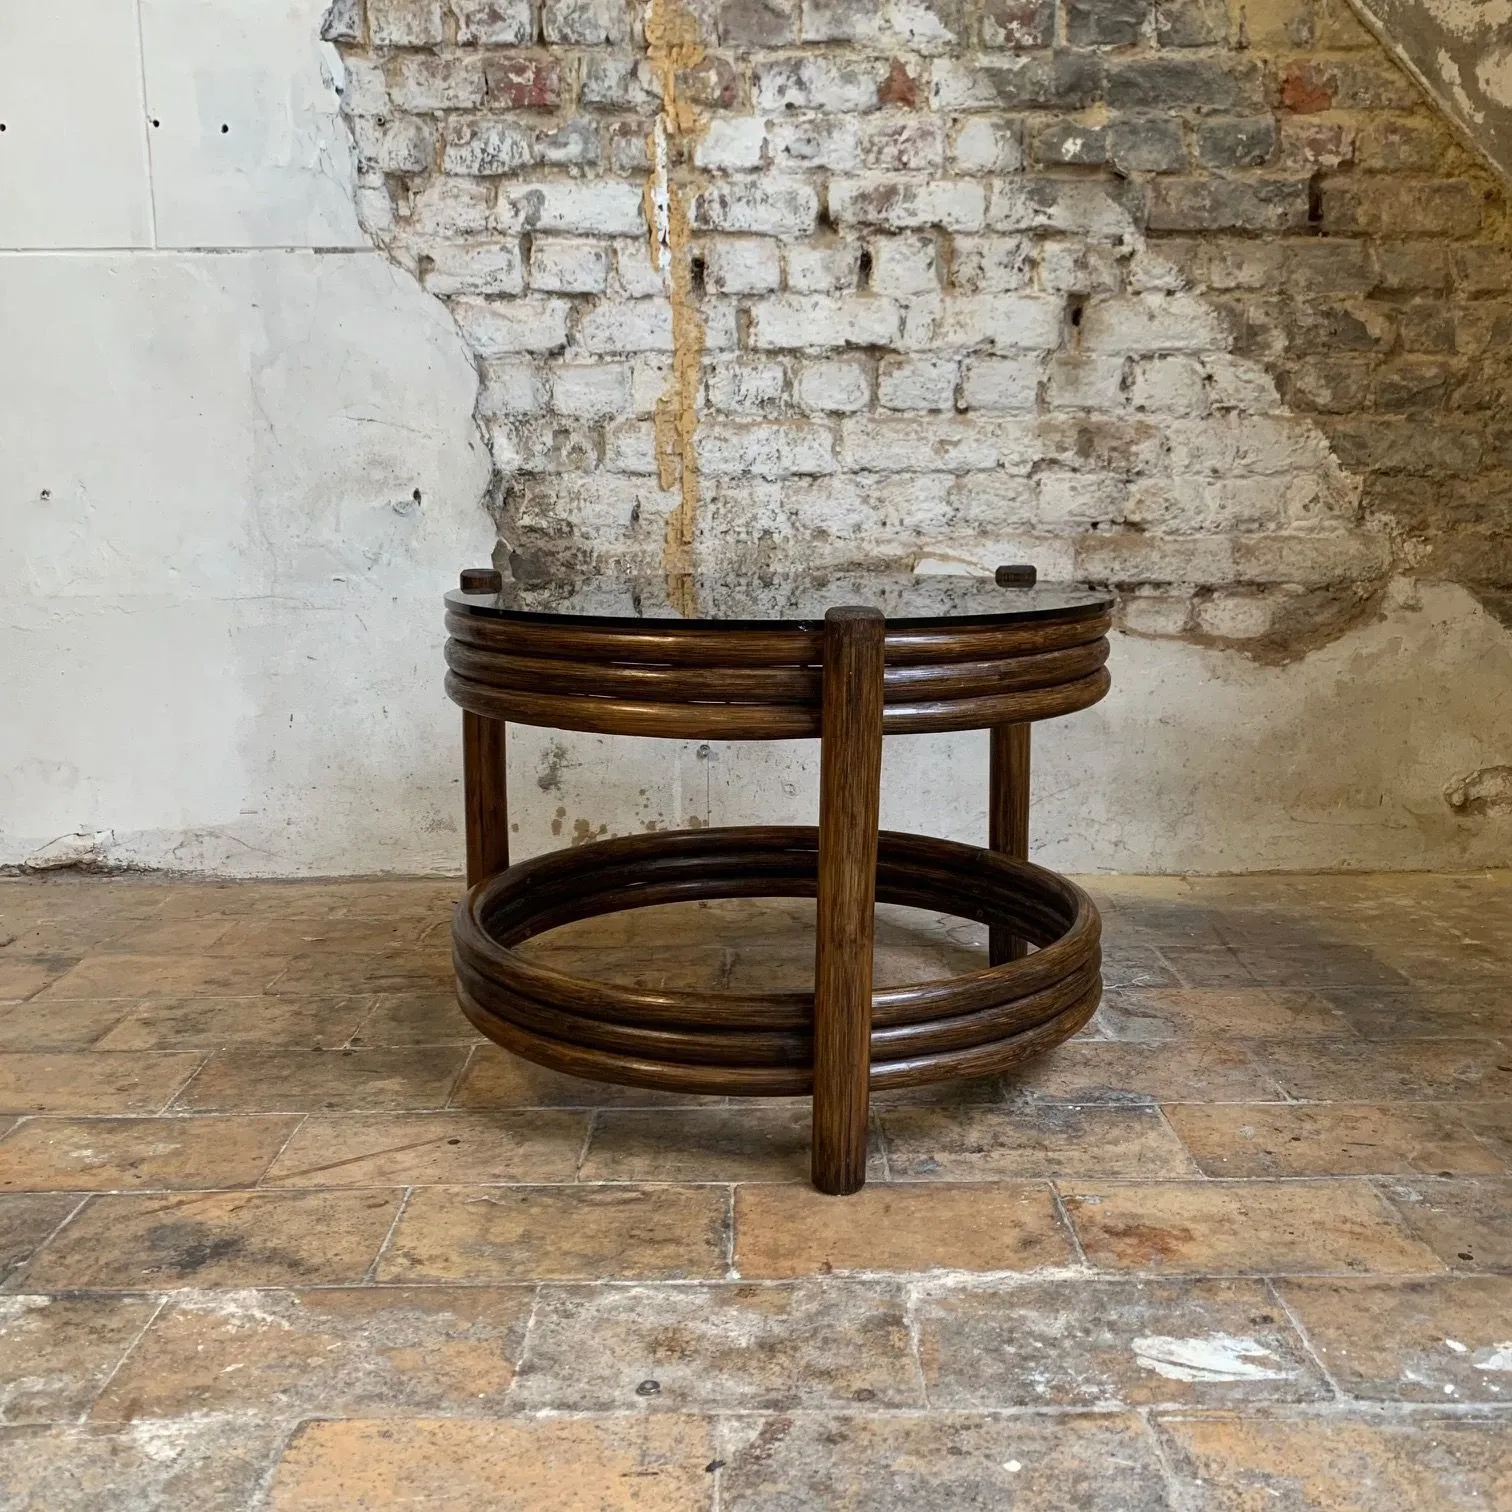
x,y
846,659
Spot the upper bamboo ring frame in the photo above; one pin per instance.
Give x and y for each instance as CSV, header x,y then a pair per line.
x,y
1036,656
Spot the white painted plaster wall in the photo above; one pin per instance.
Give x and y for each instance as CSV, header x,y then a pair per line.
x,y
219,596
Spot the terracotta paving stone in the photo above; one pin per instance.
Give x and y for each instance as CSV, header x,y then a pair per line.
x,y
337,1352
1467,1223
1209,966
747,1142
630,1463
57,1352
330,1081
60,1026
25,1222
1077,1342
1330,1139
207,1465
1320,963
1424,1012
1260,1228
1448,1339
953,1462
415,1018
401,1149
1120,1072
796,1231
208,1023
22,977
1387,1071
553,1233
216,1239
1335,1464
119,1154
1491,1123
975,1144
91,1081
1177,1013
146,976
774,1348
496,1079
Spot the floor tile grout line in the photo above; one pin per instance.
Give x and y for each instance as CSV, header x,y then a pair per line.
x,y
299,1123
915,1344
456,1087
370,1275
730,1235
1177,1499
183,1087
588,1132
530,1319
131,1348
22,1270
1063,1218
1273,1286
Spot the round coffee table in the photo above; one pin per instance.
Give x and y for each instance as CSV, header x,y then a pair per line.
x,y
847,659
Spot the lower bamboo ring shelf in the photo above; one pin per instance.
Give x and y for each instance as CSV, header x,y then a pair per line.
x,y
771,662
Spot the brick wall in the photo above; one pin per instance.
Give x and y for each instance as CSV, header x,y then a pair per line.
x,y
1204,303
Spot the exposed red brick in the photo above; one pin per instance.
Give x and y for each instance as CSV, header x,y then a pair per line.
x,y
898,88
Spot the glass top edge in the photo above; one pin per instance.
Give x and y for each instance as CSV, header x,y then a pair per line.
x,y
903,599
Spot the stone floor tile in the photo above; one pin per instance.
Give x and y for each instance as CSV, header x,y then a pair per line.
x,y
1185,1013
976,1144
367,934
1330,1139
496,1079
1423,1012
216,1239
332,974
403,1149
26,1221
1261,1228
1491,1123
57,1352
1125,966
371,1351
560,1233
93,1081
73,1025
769,1348
1321,963
1209,966
747,1142
215,1464
208,1023
1447,1339
122,1154
1467,1223
1120,1072
22,977
330,1081
796,1231
943,1462
1098,1343
168,975
1337,1464
630,1463
415,1018
1387,1071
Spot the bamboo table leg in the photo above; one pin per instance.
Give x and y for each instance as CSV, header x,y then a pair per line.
x,y
850,777
1008,819
483,747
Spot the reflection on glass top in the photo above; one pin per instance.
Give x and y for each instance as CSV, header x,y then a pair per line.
x,y
765,597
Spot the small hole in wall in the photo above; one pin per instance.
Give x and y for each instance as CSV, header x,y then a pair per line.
x,y
416,496
3,126
864,269
156,123
1315,200
698,273
224,129
1076,309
